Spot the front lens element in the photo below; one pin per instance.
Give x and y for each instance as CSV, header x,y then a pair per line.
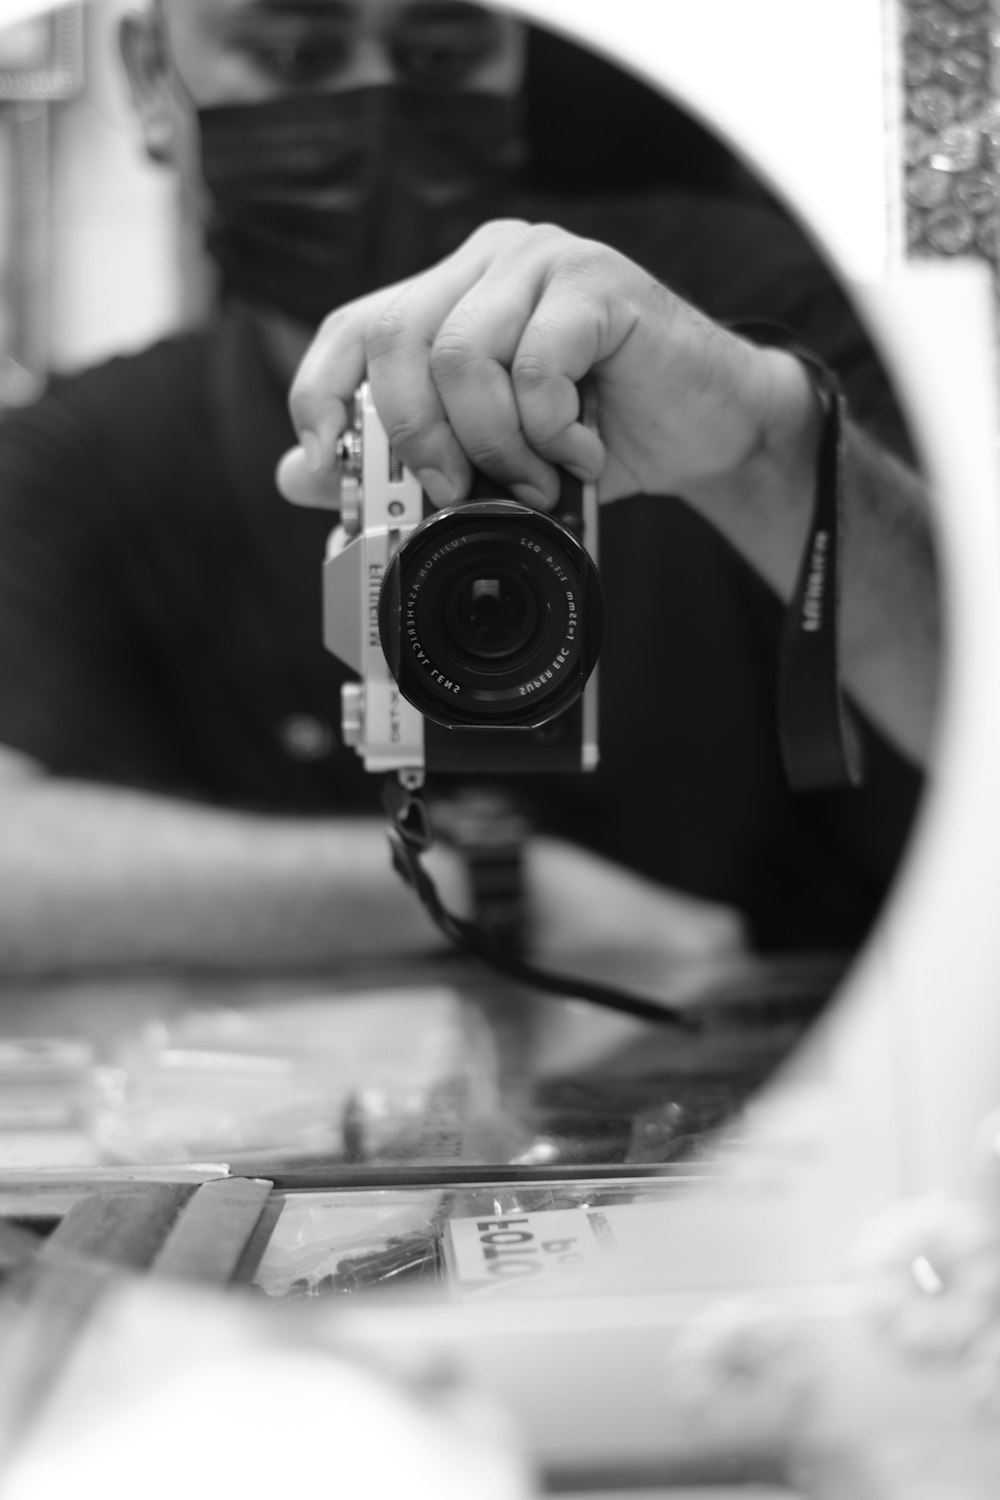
x,y
490,615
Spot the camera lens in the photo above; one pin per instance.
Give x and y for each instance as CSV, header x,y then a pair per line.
x,y
490,614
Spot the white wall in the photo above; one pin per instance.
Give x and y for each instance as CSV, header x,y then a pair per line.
x,y
796,86
114,275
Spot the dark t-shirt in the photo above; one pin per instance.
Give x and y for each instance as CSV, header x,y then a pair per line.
x,y
160,609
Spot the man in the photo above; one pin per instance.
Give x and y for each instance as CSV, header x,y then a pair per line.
x,y
159,625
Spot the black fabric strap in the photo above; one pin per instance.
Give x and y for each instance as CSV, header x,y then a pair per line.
x,y
819,742
411,835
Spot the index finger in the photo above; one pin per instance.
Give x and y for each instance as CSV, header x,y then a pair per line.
x,y
336,361
331,370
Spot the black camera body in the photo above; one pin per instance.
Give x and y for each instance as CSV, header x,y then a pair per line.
x,y
474,630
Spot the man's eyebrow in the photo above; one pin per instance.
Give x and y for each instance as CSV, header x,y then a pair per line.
x,y
333,10
339,11
339,14
445,10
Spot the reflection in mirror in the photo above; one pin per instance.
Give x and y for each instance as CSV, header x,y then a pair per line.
x,y
180,795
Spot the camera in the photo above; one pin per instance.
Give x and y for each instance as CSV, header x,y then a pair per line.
x,y
474,630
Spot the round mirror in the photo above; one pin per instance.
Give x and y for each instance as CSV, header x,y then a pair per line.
x,y
707,882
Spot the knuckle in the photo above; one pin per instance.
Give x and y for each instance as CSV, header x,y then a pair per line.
x,y
546,233
388,330
531,371
451,354
585,261
496,230
551,244
333,324
488,451
404,430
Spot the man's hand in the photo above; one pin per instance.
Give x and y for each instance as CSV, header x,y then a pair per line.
x,y
592,916
478,361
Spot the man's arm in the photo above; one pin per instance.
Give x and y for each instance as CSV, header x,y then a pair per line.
x,y
96,876
889,611
477,362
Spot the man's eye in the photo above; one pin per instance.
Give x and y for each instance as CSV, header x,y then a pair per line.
x,y
446,53
293,54
435,63
305,62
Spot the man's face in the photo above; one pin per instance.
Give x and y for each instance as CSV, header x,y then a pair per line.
x,y
185,55
247,51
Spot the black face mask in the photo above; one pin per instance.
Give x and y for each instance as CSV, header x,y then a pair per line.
x,y
318,198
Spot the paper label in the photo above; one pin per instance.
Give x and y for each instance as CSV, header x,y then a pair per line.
x,y
513,1253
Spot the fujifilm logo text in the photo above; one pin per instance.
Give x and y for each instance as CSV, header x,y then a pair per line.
x,y
812,604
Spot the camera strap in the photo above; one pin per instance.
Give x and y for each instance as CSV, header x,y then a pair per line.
x,y
411,835
819,741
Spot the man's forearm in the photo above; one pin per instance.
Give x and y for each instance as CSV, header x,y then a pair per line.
x,y
889,608
891,616
97,876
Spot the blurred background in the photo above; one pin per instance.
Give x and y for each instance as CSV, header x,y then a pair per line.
x,y
94,255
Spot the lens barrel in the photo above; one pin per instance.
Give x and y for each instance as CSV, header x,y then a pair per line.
x,y
490,614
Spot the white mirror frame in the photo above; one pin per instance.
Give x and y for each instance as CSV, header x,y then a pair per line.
x,y
887,1098
889,1094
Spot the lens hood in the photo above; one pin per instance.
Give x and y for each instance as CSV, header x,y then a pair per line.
x,y
490,615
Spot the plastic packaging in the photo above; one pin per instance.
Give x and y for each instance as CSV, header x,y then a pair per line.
x,y
334,1076
346,1242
